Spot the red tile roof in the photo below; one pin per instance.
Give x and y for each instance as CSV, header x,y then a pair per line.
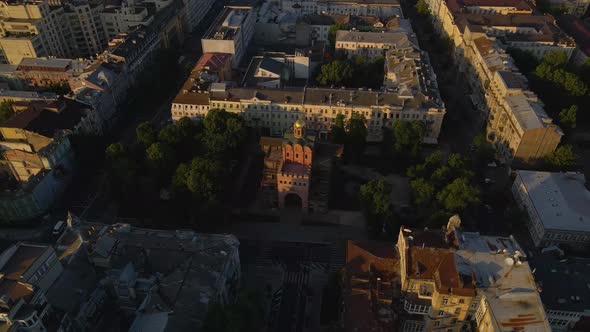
x,y
214,61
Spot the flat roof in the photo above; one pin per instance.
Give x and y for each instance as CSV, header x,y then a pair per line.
x,y
45,63
227,23
560,199
563,281
510,290
400,39
21,260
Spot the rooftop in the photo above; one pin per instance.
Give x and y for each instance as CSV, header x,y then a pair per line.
x,y
513,80
399,39
560,199
48,122
20,260
228,23
364,2
563,281
46,64
190,265
510,290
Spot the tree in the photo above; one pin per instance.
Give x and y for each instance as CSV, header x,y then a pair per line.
x,y
422,8
160,157
187,127
204,180
170,135
6,110
356,136
422,191
408,137
375,197
338,130
484,152
115,151
567,116
145,134
337,72
555,59
223,132
458,195
563,158
245,315
525,60
332,32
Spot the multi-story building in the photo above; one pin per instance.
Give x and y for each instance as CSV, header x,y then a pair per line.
x,y
277,109
196,11
86,36
230,33
40,72
557,205
517,125
573,7
580,31
278,69
147,268
123,19
537,34
379,8
38,159
447,283
563,284
33,29
371,45
26,273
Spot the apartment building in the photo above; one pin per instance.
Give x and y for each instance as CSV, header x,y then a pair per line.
x,y
371,45
87,38
573,7
40,72
146,267
563,286
33,29
124,19
447,283
277,109
379,8
230,33
278,69
38,158
518,125
26,273
557,206
196,11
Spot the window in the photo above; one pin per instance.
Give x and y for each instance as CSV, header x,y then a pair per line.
x,y
461,301
437,323
441,313
445,301
457,311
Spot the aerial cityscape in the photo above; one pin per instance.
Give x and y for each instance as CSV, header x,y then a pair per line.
x,y
294,165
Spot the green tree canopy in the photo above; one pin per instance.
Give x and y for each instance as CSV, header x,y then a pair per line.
x,y
422,8
338,130
356,136
375,197
115,151
525,60
145,134
563,158
567,116
408,137
223,131
423,192
246,315
337,72
160,157
204,180
6,110
458,195
170,135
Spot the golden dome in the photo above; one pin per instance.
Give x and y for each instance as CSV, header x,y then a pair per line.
x,y
299,123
